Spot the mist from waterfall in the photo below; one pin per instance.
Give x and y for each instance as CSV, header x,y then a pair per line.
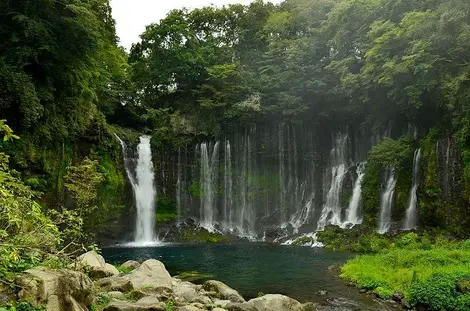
x,y
386,201
412,212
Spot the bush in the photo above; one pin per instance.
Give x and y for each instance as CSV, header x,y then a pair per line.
x,y
438,292
426,274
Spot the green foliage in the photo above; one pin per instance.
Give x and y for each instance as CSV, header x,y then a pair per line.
x,y
390,153
125,270
82,181
424,269
169,306
21,306
166,210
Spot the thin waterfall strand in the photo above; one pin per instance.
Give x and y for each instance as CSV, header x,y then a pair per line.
x,y
411,212
353,215
386,201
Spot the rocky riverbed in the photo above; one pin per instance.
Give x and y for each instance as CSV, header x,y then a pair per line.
x,y
92,284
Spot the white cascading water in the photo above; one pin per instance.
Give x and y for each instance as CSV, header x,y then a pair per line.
x,y
302,216
144,192
228,182
411,212
386,201
353,213
331,213
179,186
127,163
209,171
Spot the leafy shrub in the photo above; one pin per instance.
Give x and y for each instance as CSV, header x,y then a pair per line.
x,y
438,292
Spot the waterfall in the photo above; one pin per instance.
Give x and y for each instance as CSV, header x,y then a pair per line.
x,y
209,174
228,199
179,186
386,201
281,173
411,212
127,163
353,215
144,192
302,216
331,212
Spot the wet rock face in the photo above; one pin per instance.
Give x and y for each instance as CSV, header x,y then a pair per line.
x,y
58,290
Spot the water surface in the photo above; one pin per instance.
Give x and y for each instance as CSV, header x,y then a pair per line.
x,y
252,268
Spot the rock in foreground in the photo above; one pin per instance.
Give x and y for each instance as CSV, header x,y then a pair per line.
x,y
58,290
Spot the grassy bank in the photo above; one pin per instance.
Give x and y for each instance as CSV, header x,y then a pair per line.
x,y
434,273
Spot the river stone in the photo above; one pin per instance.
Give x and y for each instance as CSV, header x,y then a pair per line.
x,y
152,274
120,305
268,303
463,286
309,306
150,304
202,300
218,309
221,303
223,291
114,284
131,264
110,270
186,291
115,294
190,308
94,264
58,290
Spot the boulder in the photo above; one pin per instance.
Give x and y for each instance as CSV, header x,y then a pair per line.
x,y
120,305
110,270
58,290
223,291
94,264
185,290
190,308
116,295
268,303
150,304
218,309
463,286
162,293
145,304
119,284
152,274
221,303
131,265
398,296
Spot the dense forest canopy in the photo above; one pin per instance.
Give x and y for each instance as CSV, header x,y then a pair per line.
x,y
368,61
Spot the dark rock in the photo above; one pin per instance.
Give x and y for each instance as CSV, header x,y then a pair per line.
x,y
397,296
119,284
463,286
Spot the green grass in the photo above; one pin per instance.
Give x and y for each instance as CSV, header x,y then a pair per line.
x,y
425,273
